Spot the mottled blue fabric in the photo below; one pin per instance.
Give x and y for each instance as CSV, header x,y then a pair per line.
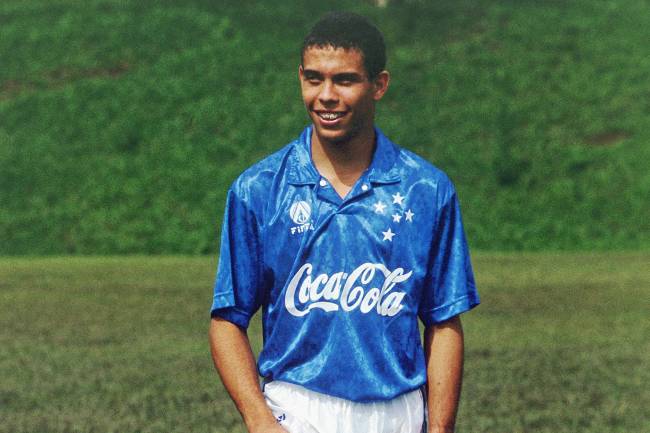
x,y
342,281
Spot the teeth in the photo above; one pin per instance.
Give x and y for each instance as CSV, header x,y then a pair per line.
x,y
330,116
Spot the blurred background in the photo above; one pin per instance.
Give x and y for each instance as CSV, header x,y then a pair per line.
x,y
123,123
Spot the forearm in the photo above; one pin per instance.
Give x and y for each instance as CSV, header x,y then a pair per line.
x,y
444,356
234,360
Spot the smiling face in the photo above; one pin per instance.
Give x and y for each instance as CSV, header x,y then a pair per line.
x,y
338,95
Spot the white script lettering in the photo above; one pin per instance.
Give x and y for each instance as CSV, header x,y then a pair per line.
x,y
347,292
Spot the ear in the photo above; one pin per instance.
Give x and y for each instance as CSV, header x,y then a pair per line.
x,y
300,72
380,83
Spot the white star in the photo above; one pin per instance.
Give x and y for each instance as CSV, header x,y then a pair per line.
x,y
379,207
388,235
409,215
397,218
398,199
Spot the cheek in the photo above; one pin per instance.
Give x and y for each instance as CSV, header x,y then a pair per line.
x,y
361,104
308,96
357,99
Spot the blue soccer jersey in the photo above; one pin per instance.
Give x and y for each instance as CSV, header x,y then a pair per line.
x,y
342,281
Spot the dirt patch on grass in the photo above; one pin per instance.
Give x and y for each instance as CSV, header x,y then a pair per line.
x,y
66,75
59,78
11,88
607,138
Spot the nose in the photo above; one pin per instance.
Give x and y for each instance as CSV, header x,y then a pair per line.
x,y
327,93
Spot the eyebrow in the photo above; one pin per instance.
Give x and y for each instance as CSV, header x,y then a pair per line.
x,y
343,76
348,76
311,73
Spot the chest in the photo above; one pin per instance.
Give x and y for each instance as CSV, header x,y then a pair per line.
x,y
387,224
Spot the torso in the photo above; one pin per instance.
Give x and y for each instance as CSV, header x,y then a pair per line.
x,y
346,270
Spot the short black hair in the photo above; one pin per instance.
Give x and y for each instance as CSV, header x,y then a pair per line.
x,y
348,30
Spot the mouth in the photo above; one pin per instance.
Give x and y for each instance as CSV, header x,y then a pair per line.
x,y
330,117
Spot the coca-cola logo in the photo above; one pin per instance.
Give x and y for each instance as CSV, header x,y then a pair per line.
x,y
344,291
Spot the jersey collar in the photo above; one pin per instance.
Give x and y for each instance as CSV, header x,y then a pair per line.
x,y
383,168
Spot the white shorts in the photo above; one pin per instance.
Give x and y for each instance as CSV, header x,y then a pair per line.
x,y
300,410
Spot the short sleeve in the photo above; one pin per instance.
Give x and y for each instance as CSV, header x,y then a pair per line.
x,y
238,284
449,288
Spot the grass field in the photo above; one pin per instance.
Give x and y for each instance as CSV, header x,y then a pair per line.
x,y
560,344
123,122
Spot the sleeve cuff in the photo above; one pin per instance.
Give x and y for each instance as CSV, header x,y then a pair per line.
x,y
232,315
447,311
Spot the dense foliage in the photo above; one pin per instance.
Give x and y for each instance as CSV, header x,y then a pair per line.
x,y
122,123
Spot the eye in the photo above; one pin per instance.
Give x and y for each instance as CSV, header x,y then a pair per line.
x,y
312,78
346,80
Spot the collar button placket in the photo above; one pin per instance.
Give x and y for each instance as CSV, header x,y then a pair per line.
x,y
362,188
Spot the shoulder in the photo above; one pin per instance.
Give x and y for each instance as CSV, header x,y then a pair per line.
x,y
257,180
413,165
423,175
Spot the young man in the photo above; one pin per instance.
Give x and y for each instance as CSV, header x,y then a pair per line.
x,y
344,239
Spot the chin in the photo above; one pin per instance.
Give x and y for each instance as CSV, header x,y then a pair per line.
x,y
338,135
332,136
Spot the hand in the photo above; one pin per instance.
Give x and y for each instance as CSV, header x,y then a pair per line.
x,y
268,428
434,429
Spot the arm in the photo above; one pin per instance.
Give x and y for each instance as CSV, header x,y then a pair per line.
x,y
234,360
443,345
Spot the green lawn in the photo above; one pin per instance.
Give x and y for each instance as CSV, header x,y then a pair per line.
x,y
560,344
123,122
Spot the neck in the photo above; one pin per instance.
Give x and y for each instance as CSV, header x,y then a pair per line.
x,y
343,162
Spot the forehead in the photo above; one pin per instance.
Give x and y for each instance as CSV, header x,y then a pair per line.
x,y
333,60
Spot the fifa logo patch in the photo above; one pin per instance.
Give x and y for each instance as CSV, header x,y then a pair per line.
x,y
300,213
